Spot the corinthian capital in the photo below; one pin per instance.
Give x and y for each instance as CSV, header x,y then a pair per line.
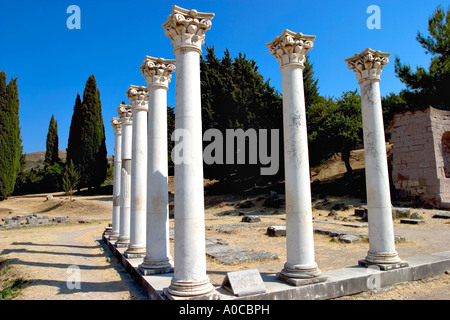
x,y
138,97
368,64
187,28
125,114
157,71
116,124
291,48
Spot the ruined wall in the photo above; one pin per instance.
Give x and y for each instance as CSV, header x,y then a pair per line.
x,y
421,154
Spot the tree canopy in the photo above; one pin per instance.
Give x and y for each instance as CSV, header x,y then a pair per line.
x,y
52,144
10,140
429,87
86,145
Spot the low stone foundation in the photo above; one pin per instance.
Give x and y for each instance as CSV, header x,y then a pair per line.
x,y
340,282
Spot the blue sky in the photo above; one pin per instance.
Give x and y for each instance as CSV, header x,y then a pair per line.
x,y
53,62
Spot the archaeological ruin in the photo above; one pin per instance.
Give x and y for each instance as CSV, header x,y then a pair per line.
x,y
139,234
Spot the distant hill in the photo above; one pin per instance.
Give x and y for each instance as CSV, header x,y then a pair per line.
x,y
35,160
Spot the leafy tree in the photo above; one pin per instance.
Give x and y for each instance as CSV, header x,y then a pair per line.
x,y
310,84
86,146
430,87
235,96
334,126
10,140
347,125
70,179
52,145
392,103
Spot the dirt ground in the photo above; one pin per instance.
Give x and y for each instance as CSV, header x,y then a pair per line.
x,y
43,255
49,257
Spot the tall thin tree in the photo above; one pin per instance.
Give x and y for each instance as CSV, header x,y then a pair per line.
x,y
10,140
52,145
87,141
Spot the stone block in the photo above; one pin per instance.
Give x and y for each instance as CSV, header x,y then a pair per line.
x,y
276,231
244,283
398,213
412,221
347,238
442,215
251,219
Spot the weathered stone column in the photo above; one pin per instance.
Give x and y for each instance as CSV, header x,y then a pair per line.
x,y
368,65
300,268
187,29
126,118
138,97
157,73
117,127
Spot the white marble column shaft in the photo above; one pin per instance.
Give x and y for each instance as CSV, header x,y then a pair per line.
x,y
157,73
368,65
126,118
117,127
138,97
186,28
290,50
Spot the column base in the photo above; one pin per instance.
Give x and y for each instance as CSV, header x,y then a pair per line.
x,y
189,288
384,260
149,267
114,236
122,242
298,275
383,266
135,251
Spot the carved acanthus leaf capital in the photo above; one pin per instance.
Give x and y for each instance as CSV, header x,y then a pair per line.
x,y
157,71
116,124
291,47
138,96
125,113
186,28
368,64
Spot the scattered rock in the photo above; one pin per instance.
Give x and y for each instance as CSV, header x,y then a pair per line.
x,y
60,219
362,213
332,213
399,238
442,215
228,254
276,231
251,219
49,197
416,215
347,238
411,221
399,213
244,204
342,207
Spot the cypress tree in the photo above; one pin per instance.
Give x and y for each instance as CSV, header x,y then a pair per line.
x,y
52,145
10,140
87,145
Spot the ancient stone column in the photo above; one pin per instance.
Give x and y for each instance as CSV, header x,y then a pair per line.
x,y
290,49
187,28
157,73
138,97
126,118
367,66
117,127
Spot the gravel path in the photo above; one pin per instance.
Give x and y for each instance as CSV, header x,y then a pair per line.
x,y
53,259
